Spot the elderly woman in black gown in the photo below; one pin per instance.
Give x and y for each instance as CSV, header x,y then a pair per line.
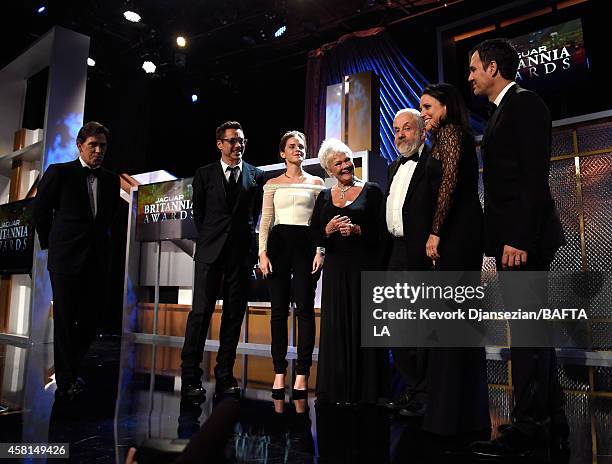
x,y
345,221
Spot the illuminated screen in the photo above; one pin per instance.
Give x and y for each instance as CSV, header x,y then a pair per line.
x,y
165,211
551,58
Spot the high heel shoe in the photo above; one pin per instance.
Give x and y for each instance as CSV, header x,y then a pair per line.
x,y
278,393
299,394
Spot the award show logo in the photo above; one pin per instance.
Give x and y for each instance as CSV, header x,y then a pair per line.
x,y
14,236
551,52
168,208
165,211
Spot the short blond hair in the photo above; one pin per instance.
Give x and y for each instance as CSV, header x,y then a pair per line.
x,y
328,149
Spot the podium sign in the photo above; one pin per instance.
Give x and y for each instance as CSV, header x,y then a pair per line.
x,y
165,211
16,237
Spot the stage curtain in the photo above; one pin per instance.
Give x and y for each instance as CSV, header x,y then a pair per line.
x,y
372,50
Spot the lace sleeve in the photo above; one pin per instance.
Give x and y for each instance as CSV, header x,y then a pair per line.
x,y
448,150
267,218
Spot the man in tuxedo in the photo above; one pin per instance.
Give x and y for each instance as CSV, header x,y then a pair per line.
x,y
73,212
227,197
522,232
409,214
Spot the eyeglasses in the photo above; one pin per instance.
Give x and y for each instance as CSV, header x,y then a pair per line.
x,y
235,140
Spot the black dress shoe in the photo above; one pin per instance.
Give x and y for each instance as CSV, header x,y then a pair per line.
x,y
414,408
193,390
227,386
559,437
399,403
70,392
512,443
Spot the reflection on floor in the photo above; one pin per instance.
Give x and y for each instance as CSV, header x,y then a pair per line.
x,y
125,406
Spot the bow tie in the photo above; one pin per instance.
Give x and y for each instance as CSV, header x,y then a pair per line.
x,y
91,172
414,157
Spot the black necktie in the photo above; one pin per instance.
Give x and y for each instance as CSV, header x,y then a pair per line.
x,y
414,157
491,107
232,176
232,184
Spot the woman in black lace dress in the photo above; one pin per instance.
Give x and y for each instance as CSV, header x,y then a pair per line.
x,y
457,384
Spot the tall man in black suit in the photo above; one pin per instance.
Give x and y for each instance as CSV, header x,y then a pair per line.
x,y
227,196
522,232
409,214
73,212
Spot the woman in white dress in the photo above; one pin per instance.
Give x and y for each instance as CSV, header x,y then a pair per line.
x,y
290,260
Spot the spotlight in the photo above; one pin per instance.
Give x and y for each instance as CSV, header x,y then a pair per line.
x,y
41,9
194,98
280,31
181,41
149,67
131,16
91,62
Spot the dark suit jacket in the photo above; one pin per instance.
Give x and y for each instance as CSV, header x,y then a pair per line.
x,y
217,222
516,146
64,220
417,212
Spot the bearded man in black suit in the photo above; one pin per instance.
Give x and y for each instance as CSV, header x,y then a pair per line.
x,y
408,217
522,232
73,212
227,198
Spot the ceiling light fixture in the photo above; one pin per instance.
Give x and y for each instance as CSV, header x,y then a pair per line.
x,y
194,98
41,9
91,62
181,41
149,67
280,31
131,16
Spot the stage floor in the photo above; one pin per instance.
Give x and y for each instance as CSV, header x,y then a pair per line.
x,y
124,406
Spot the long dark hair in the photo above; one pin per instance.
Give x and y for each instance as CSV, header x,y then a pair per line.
x,y
456,111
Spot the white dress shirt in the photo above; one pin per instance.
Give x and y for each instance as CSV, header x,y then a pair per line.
x,y
498,100
397,195
226,173
93,181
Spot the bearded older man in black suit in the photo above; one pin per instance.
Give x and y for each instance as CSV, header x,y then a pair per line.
x,y
408,217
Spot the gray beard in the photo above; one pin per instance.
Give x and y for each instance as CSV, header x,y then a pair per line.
x,y
411,149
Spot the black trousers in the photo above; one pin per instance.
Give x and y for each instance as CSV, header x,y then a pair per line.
x,y
291,253
230,274
537,392
77,302
411,363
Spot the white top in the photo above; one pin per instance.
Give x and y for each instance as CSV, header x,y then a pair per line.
x,y
290,204
226,173
397,195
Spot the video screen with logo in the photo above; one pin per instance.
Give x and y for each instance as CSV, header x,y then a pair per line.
x,y
551,58
165,211
16,237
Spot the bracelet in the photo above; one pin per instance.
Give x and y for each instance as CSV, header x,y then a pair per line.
x,y
321,251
